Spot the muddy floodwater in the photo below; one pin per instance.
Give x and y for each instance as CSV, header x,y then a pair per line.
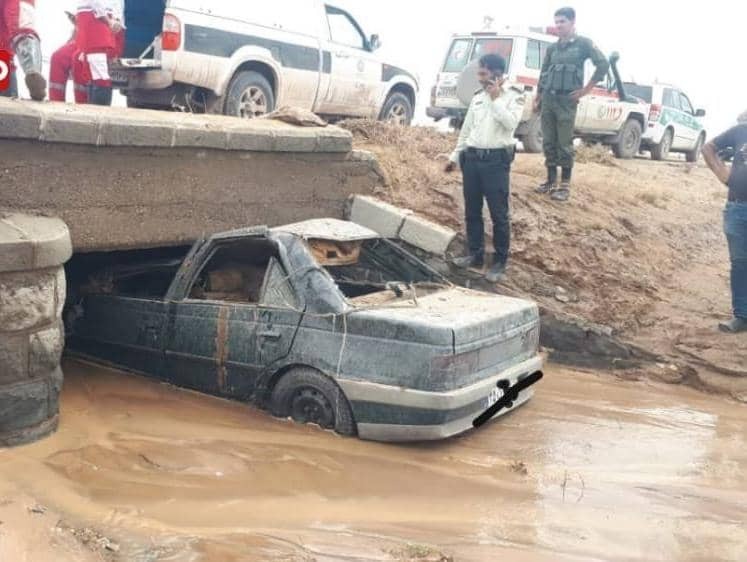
x,y
593,468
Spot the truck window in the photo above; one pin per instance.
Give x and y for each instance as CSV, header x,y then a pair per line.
x,y
494,46
534,55
646,93
343,30
458,55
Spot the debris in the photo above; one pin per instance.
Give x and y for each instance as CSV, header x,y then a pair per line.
x,y
38,509
296,116
519,467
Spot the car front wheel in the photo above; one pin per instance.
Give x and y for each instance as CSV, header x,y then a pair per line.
x,y
397,110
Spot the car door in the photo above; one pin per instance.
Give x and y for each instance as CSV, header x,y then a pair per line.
x,y
690,126
355,80
671,117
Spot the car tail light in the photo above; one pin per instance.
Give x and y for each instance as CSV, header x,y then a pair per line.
x,y
655,113
171,38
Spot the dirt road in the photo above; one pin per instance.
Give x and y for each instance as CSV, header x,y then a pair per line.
x,y
593,468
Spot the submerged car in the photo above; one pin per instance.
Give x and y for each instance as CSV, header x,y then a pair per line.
x,y
323,321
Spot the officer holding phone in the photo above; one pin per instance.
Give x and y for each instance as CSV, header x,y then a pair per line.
x,y
484,152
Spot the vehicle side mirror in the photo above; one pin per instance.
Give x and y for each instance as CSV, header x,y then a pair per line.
x,y
700,113
374,43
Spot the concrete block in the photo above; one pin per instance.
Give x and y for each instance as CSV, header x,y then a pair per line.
x,y
46,240
14,358
45,351
296,140
19,120
27,300
426,235
129,132
200,137
249,140
70,128
380,217
333,139
23,405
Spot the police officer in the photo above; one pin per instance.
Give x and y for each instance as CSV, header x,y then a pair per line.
x,y
484,152
561,86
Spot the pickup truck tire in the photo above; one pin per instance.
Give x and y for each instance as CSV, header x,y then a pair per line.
x,y
532,140
661,151
629,143
307,396
693,155
397,110
249,95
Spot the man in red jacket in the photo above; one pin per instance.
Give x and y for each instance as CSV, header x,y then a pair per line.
x,y
18,36
61,69
99,22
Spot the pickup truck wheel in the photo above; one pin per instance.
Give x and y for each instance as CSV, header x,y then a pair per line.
x,y
397,110
307,396
630,140
249,96
693,155
532,141
661,151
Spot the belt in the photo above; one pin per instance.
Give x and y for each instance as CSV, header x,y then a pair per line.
x,y
487,153
559,92
737,199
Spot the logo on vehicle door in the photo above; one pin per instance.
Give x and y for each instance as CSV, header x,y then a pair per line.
x,y
611,113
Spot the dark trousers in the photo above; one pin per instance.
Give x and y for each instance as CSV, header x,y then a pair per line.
x,y
486,178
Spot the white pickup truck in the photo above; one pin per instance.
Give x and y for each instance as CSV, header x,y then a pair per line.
x,y
246,59
608,116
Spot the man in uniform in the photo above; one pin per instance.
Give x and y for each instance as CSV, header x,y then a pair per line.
x,y
561,86
61,69
484,152
18,36
99,24
735,214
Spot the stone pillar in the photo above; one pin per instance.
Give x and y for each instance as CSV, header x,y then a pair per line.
x,y
32,295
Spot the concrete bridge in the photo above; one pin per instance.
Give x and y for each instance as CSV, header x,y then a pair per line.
x,y
126,179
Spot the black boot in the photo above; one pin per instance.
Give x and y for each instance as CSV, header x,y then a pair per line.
x,y
466,262
99,95
552,180
734,326
563,192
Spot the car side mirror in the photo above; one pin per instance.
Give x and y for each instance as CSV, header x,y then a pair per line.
x,y
374,43
700,113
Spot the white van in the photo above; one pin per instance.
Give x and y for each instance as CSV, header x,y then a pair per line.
x,y
246,59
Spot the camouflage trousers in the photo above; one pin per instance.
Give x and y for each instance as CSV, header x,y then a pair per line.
x,y
558,123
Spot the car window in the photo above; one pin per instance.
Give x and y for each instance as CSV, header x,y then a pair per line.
x,y
235,272
494,46
670,99
343,31
458,55
685,104
277,291
646,93
534,55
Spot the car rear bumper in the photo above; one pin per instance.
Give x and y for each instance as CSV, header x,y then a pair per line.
x,y
390,413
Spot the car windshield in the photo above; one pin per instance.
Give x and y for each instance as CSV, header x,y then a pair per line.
x,y
458,55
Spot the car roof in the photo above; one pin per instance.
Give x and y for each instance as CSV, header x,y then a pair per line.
x,y
328,229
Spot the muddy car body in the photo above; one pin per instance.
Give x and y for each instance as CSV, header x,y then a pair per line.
x,y
322,321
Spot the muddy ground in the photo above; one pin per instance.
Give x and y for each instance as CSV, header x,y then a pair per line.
x,y
591,469
639,249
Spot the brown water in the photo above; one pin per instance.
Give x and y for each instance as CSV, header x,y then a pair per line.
x,y
591,469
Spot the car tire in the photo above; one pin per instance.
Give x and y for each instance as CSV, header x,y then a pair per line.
x,y
532,141
249,96
661,151
629,143
693,155
397,110
307,396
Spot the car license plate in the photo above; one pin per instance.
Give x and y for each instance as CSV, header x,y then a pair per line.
x,y
495,395
119,79
447,92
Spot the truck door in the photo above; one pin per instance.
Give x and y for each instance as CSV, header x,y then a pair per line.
x,y
355,73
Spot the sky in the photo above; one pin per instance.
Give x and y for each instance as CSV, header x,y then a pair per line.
x,y
701,50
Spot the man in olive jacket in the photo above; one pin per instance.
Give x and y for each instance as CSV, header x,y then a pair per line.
x,y
561,86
